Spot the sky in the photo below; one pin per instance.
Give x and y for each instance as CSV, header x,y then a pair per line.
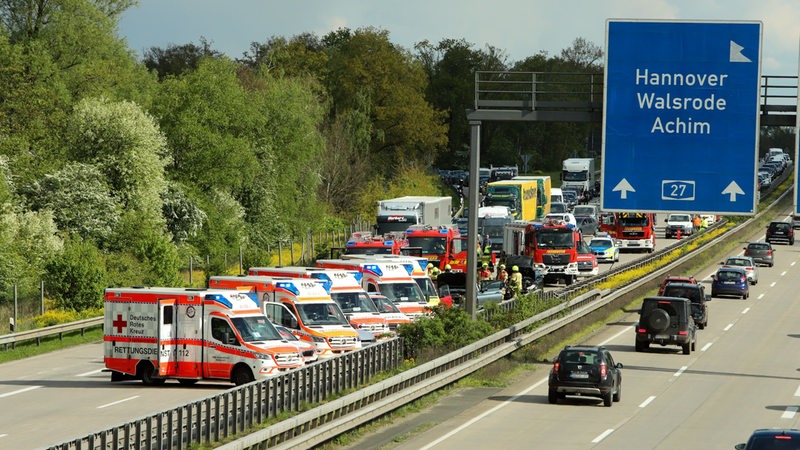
x,y
521,28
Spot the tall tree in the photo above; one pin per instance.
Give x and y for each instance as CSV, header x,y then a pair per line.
x,y
405,126
178,59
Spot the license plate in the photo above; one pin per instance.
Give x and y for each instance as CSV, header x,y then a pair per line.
x,y
728,282
662,336
579,375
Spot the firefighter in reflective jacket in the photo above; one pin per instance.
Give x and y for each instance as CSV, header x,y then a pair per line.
x,y
515,281
486,256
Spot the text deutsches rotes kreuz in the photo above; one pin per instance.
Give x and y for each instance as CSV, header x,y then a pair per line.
x,y
680,120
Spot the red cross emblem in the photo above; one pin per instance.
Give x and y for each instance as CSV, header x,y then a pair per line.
x,y
119,323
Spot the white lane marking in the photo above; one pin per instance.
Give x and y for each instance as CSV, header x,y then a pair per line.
x,y
792,263
19,391
730,325
789,413
705,347
647,401
760,296
86,374
117,402
744,311
626,330
772,284
602,436
797,392
680,371
481,416
3,435
783,273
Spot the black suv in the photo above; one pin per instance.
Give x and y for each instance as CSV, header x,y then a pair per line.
x,y
585,371
780,232
696,293
666,321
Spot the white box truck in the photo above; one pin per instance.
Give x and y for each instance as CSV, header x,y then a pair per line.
x,y
398,214
578,174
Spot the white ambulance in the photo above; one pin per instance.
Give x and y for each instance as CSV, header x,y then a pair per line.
x,y
345,289
154,334
419,272
392,279
302,305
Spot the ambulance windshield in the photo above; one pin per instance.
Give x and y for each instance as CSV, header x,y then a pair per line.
x,y
403,292
321,314
354,302
255,328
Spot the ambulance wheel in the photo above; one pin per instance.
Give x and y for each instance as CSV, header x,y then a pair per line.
x,y
242,375
148,374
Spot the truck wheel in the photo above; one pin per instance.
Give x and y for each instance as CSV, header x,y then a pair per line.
x,y
242,375
147,373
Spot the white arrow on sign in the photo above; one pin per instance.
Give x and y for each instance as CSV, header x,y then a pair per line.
x,y
736,53
733,190
623,187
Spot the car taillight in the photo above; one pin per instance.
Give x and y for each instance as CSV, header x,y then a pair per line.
x,y
747,252
749,268
556,366
683,333
603,370
769,252
641,330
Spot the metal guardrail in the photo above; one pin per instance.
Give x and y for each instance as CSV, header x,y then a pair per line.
x,y
243,408
54,330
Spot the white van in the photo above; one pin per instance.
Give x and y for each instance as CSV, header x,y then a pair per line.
x,y
556,196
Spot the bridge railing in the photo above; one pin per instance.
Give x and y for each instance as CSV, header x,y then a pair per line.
x,y
579,96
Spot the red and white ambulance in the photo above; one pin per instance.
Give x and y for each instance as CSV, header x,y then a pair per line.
x,y
302,305
419,272
155,334
345,289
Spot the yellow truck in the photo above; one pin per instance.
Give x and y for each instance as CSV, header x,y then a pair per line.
x,y
520,196
544,186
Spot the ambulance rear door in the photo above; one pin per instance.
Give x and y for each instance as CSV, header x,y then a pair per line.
x,y
167,338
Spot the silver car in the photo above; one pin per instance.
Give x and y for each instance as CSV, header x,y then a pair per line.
x,y
745,262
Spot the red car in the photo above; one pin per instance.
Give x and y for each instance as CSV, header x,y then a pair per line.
x,y
675,279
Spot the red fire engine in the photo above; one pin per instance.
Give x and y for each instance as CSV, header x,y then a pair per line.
x,y
553,246
364,242
636,231
441,245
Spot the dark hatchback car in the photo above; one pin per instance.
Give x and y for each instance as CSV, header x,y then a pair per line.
x,y
780,232
585,371
696,293
772,439
730,281
761,252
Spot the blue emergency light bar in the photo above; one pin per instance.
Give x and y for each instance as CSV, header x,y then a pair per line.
x,y
219,298
374,268
287,286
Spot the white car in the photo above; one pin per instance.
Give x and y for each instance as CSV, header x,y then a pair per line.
x,y
569,218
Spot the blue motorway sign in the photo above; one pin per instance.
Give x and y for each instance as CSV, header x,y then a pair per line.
x,y
680,129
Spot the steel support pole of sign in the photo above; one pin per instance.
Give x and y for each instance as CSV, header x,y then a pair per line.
x,y
471,299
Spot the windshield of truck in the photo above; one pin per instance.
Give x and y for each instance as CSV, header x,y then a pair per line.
x,y
321,314
427,287
632,221
554,238
429,245
354,302
255,328
494,231
403,292
509,202
368,251
575,176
